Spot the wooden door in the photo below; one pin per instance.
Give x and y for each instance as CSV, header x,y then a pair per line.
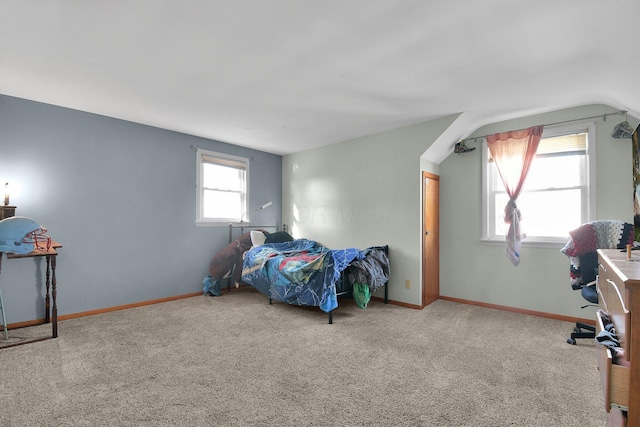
x,y
430,238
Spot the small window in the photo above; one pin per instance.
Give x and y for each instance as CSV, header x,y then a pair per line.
x,y
222,187
557,195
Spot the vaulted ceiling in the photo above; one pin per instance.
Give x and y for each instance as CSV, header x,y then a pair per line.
x,y
284,76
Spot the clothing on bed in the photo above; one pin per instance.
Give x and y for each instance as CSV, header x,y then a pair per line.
x,y
278,237
368,274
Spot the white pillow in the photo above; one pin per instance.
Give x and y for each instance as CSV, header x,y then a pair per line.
x,y
257,238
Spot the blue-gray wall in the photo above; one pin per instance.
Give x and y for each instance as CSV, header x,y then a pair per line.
x,y
120,197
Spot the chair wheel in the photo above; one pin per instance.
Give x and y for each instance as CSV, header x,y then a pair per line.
x,y
577,330
571,341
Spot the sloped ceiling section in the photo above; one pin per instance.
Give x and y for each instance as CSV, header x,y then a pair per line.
x,y
289,75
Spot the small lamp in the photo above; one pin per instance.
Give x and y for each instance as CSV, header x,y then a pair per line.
x,y
7,211
266,205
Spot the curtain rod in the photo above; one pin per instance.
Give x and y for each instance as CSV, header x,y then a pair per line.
x,y
604,118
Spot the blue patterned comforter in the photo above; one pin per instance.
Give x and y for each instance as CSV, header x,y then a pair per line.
x,y
300,272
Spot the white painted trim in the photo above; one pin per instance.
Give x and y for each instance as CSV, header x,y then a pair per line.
x,y
200,220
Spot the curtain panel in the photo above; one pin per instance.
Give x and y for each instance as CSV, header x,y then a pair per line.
x,y
513,153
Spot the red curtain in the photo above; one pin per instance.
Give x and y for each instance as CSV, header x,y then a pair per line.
x,y
513,153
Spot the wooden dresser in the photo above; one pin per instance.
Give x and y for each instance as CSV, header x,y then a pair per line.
x,y
619,296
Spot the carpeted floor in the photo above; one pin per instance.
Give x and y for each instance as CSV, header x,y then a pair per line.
x,y
235,360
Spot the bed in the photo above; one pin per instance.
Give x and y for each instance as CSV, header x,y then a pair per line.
x,y
303,272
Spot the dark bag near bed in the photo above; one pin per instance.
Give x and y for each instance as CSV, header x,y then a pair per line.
x,y
226,263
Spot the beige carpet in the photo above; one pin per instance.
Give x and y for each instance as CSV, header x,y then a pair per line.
x,y
235,360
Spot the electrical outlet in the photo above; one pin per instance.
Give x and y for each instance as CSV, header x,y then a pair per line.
x,y
407,283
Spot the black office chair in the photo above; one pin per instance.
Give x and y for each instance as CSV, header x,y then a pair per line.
x,y
587,286
581,251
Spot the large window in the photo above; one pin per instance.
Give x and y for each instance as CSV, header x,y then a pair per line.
x,y
557,195
222,187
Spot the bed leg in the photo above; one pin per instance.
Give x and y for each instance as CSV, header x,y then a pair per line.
x,y
331,317
386,293
270,301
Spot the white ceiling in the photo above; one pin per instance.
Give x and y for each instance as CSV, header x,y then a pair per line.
x,y
287,75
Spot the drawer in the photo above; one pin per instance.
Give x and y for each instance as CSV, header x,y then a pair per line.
x,y
614,378
601,278
611,301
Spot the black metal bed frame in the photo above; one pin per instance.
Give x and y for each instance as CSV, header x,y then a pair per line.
x,y
349,293
344,294
242,227
385,248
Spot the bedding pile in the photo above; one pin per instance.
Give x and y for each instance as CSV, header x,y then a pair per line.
x,y
303,272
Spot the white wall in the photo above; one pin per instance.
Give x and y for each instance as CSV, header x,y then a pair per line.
x,y
473,270
364,192
367,192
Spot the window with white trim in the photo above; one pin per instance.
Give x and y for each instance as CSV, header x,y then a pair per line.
x,y
557,195
222,187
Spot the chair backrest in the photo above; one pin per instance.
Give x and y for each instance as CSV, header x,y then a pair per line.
x,y
586,240
587,270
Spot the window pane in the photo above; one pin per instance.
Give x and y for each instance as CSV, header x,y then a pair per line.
x,y
221,204
552,213
554,172
222,177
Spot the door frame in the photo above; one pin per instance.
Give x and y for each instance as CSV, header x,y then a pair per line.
x,y
432,292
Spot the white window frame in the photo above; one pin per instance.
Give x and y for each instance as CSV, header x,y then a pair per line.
x,y
588,207
203,157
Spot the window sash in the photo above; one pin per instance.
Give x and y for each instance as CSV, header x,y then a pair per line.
x,y
558,142
222,187
235,163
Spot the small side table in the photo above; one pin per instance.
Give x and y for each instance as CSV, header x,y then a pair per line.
x,y
50,302
7,211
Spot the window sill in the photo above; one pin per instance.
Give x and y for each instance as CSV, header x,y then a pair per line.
x,y
556,243
215,223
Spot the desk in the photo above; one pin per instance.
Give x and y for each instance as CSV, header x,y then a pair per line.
x,y
50,302
619,296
